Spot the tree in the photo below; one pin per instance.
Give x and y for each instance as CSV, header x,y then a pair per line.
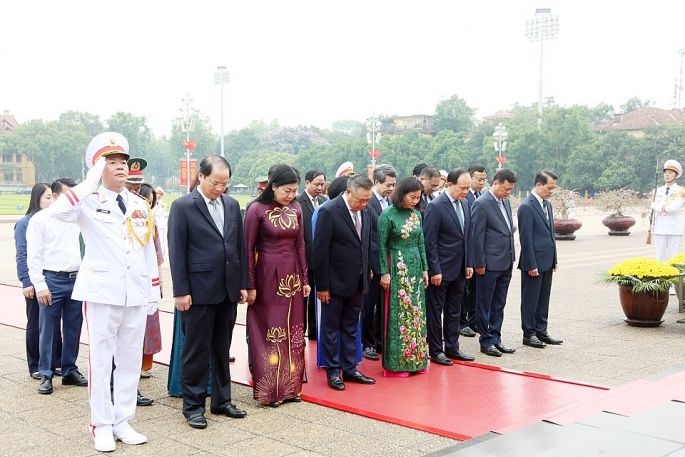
x,y
349,127
454,114
635,103
601,113
91,122
57,149
136,131
291,139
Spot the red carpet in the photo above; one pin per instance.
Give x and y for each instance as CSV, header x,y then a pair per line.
x,y
460,402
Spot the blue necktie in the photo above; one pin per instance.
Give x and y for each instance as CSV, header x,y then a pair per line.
x,y
120,202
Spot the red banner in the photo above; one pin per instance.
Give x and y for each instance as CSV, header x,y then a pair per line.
x,y
184,171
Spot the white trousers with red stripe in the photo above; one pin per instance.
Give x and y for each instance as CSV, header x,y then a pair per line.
x,y
114,333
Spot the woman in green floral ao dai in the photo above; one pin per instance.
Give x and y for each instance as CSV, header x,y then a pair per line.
x,y
404,278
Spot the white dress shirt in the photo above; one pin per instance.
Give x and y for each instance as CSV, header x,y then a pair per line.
x,y
50,245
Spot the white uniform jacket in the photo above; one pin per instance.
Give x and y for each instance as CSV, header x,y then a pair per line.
x,y
667,209
120,264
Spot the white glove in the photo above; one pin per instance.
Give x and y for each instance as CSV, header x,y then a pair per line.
x,y
95,173
151,308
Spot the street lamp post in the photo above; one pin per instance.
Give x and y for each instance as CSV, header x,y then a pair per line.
x,y
543,27
221,77
500,135
187,126
373,136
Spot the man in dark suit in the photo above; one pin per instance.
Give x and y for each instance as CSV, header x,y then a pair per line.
x,y
208,282
341,266
478,175
384,178
538,260
430,178
309,200
446,226
492,234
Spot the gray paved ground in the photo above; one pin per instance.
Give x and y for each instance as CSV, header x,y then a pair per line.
x,y
598,348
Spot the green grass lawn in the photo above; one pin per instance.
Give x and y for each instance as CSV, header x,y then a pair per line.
x,y
18,204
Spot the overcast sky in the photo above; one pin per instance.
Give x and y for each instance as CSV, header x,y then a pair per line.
x,y
315,62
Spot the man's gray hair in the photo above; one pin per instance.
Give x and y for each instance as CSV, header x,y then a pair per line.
x,y
359,181
383,171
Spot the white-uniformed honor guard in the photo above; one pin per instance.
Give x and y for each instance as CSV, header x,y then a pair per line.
x,y
118,282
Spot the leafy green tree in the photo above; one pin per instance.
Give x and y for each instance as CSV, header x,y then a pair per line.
x,y
601,113
57,149
257,164
91,122
582,171
635,103
350,127
622,162
454,114
292,139
136,131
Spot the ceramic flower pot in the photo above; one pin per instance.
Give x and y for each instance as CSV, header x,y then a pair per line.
x,y
642,309
618,225
564,229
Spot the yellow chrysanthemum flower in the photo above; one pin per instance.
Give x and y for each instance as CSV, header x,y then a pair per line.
x,y
643,268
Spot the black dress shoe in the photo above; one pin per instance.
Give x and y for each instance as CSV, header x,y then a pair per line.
x,y
504,350
442,359
549,340
35,375
57,371
197,421
370,353
231,359
533,342
143,401
230,410
45,386
466,331
295,399
335,383
491,351
74,379
358,377
460,356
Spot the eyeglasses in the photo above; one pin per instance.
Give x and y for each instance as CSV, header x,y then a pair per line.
x,y
221,185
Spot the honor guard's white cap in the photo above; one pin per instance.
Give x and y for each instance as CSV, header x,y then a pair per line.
x,y
347,168
675,166
105,144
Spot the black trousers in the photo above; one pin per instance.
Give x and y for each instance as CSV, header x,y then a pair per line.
x,y
208,333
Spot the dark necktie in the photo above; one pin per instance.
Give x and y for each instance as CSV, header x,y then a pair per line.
x,y
120,202
667,189
460,215
477,194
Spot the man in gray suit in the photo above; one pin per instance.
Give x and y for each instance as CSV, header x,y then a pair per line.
x,y
492,235
538,260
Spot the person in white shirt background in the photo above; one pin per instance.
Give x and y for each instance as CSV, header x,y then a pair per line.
x,y
53,256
